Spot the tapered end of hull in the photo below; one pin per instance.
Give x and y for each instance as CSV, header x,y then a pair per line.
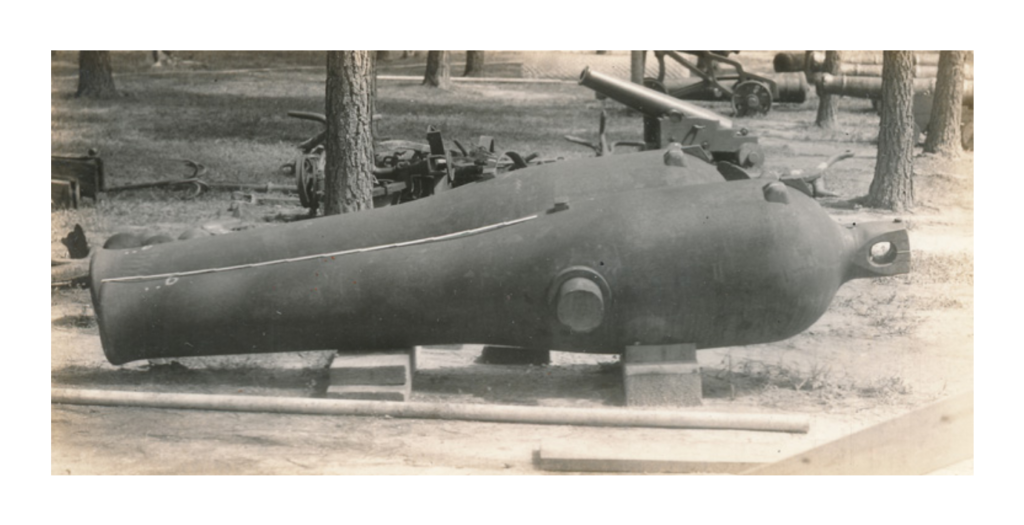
x,y
878,249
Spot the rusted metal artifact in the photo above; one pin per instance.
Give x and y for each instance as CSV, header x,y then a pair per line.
x,y
702,132
72,178
404,171
792,88
717,77
588,255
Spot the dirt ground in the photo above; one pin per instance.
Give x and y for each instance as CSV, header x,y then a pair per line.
x,y
884,347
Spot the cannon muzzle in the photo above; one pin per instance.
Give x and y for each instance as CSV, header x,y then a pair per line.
x,y
646,100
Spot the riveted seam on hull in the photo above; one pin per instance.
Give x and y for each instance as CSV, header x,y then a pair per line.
x,y
176,275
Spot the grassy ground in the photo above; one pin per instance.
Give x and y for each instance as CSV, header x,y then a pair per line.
x,y
884,343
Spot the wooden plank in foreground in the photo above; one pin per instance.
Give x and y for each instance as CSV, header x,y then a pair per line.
x,y
570,456
920,442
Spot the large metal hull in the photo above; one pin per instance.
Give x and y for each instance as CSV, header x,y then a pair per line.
x,y
670,256
514,195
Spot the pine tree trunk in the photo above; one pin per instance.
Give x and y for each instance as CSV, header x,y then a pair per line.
x,y
439,71
348,174
637,66
95,76
375,132
474,64
828,105
947,106
893,186
809,72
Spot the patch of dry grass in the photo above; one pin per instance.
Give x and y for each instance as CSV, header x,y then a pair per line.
x,y
784,383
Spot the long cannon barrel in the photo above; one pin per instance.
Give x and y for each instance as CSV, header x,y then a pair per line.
x,y
789,62
646,100
792,88
921,58
659,262
875,70
871,87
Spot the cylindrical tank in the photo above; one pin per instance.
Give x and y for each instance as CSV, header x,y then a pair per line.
x,y
715,264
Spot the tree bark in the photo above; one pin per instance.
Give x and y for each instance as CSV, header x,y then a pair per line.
x,y
95,76
828,105
893,186
439,71
809,72
374,131
637,66
348,174
947,106
474,64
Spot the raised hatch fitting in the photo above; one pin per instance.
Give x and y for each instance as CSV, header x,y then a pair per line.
x,y
580,304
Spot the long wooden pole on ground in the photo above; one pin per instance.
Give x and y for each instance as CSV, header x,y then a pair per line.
x,y
493,413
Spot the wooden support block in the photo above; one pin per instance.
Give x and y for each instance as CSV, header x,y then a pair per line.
x,y
686,353
509,355
662,375
372,369
381,376
63,194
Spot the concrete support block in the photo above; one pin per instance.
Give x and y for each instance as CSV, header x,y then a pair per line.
x,y
663,375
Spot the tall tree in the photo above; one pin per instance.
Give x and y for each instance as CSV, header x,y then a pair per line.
x,y
439,70
95,76
947,106
474,64
828,105
637,66
374,116
348,174
893,185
